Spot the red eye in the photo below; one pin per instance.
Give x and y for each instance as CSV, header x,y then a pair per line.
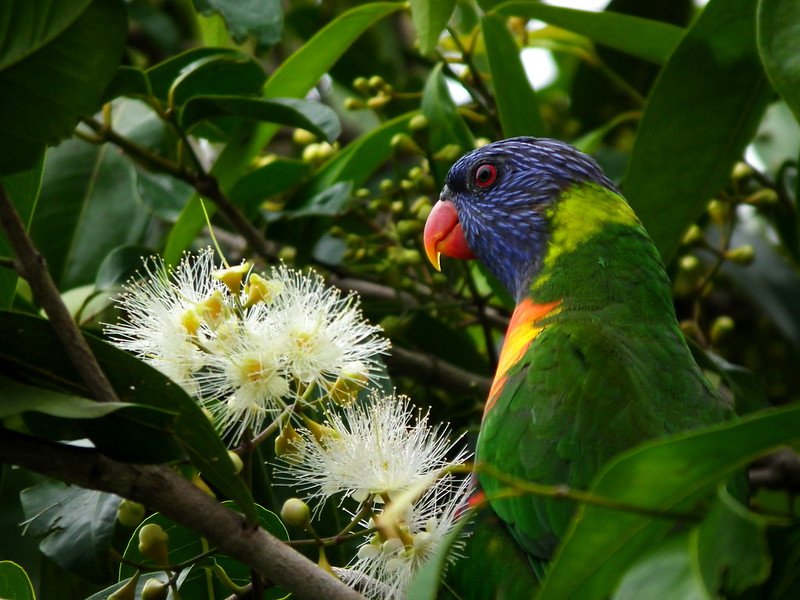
x,y
485,175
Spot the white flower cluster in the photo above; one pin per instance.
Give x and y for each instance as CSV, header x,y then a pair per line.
x,y
247,345
384,458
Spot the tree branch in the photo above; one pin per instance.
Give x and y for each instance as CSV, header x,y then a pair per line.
x,y
31,266
162,489
426,368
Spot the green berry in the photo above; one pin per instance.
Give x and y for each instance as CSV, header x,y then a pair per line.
x,y
295,512
130,513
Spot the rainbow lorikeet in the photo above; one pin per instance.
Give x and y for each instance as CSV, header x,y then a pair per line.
x,y
593,362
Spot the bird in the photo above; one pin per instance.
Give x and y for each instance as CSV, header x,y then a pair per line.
x,y
593,361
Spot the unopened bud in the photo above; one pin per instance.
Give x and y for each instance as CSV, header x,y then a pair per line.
x,y
743,255
403,142
310,153
378,102
448,153
302,137
130,513
153,543
238,465
354,104
720,328
741,170
361,84
295,512
376,82
418,123
718,211
692,236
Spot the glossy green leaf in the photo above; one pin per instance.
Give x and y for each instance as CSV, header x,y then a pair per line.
x,y
163,194
23,191
668,475
226,74
275,177
730,547
16,398
79,62
128,81
260,19
162,76
645,38
516,99
447,128
327,203
30,349
748,392
664,573
76,526
691,135
26,26
14,582
430,18
119,266
293,79
305,114
778,32
87,207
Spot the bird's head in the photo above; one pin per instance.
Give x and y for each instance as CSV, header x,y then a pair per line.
x,y
496,203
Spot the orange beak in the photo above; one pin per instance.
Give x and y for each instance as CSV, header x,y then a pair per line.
x,y
443,235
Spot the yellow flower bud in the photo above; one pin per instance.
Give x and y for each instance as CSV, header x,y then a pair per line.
x,y
238,465
720,328
418,123
743,255
130,513
302,137
155,590
288,441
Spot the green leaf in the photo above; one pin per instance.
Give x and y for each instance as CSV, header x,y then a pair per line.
x,y
88,206
778,32
14,582
666,475
76,525
163,75
128,81
305,114
645,38
430,18
23,191
748,392
292,79
664,573
16,398
691,135
29,348
260,19
225,74
327,203
516,99
26,26
447,128
264,182
119,266
79,62
163,194
730,547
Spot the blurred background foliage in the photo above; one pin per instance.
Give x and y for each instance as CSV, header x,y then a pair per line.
x,y
319,133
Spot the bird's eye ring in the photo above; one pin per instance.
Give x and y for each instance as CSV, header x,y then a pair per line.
x,y
485,175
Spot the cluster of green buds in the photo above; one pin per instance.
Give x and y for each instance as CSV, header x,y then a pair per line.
x,y
314,151
375,93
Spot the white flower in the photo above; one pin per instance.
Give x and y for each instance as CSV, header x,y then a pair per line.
x,y
246,382
384,566
323,333
379,449
162,325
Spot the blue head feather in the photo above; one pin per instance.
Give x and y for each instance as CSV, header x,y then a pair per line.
x,y
505,224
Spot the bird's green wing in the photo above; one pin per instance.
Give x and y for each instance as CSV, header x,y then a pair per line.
x,y
582,393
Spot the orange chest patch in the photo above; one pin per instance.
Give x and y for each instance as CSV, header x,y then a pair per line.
x,y
522,330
